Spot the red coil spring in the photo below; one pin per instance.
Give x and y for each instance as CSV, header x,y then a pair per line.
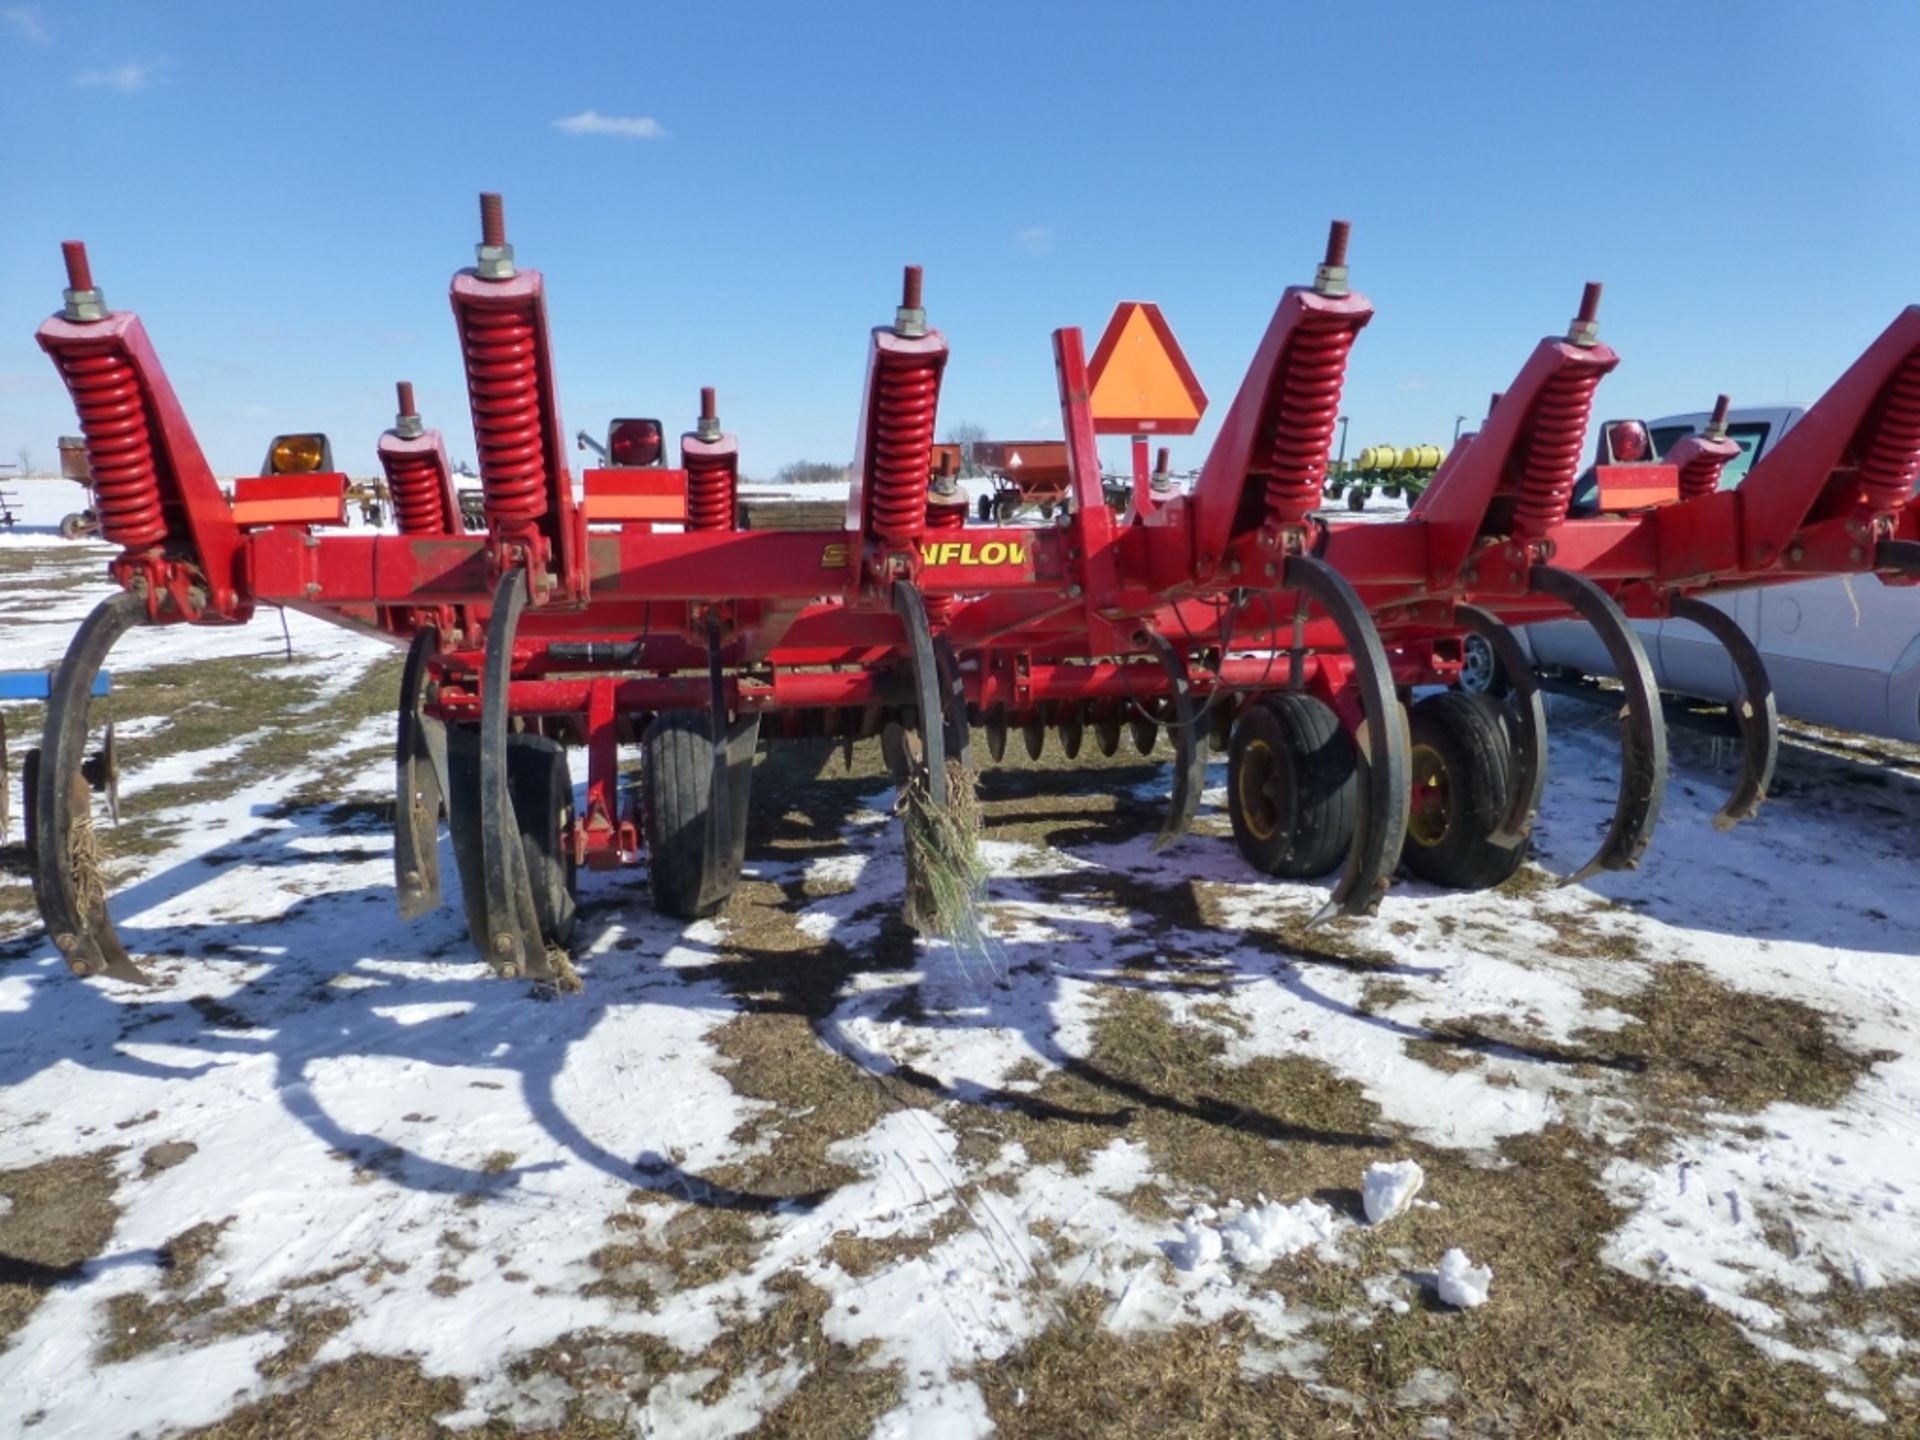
x,y
415,483
1701,475
1553,450
905,395
1893,460
940,519
1309,389
710,492
126,481
504,376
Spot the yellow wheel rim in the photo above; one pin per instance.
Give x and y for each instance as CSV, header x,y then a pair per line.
x,y
1432,813
1258,795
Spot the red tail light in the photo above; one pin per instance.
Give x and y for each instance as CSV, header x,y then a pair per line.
x,y
634,442
1628,442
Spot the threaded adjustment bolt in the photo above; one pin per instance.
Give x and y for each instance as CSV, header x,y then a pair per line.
x,y
1331,277
910,319
493,254
1585,329
83,300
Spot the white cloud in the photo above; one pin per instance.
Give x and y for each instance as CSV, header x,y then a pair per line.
x,y
627,127
129,79
26,19
1035,239
1415,383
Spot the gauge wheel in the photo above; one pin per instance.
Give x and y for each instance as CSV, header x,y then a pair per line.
x,y
1293,786
1462,773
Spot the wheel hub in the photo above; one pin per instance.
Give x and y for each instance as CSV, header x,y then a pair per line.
x,y
1431,814
1259,791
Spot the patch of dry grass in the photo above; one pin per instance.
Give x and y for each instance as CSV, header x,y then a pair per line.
x,y
1707,1046
61,1215
366,1397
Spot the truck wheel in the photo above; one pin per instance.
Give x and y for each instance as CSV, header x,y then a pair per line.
x,y
677,787
1481,672
542,792
1293,786
1462,768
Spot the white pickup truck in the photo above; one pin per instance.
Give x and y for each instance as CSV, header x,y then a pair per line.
x,y
1842,652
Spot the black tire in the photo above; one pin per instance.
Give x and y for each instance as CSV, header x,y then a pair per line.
x,y
986,507
75,527
1220,721
677,786
1293,786
1481,672
1462,776
1356,499
542,792
463,825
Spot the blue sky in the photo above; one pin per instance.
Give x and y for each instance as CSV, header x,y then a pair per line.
x,y
282,191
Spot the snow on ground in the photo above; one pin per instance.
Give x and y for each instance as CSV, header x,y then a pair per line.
x,y
380,1129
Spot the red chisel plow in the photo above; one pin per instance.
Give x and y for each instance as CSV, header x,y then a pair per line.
x,y
633,607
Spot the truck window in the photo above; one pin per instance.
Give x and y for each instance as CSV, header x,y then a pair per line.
x,y
1753,439
1664,437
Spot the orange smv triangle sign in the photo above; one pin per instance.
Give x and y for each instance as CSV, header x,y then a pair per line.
x,y
1141,384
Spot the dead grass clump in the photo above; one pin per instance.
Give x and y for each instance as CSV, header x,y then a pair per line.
x,y
365,1397
1377,995
944,869
1441,1056
863,1255
307,1328
1567,1345
166,1155
61,1216
1080,1379
1276,1125
136,1323
816,1098
1528,883
1707,1046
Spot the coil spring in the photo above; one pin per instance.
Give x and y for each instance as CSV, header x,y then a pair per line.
x,y
710,492
1701,475
1310,381
113,415
1553,450
504,377
944,518
903,417
415,484
1893,460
